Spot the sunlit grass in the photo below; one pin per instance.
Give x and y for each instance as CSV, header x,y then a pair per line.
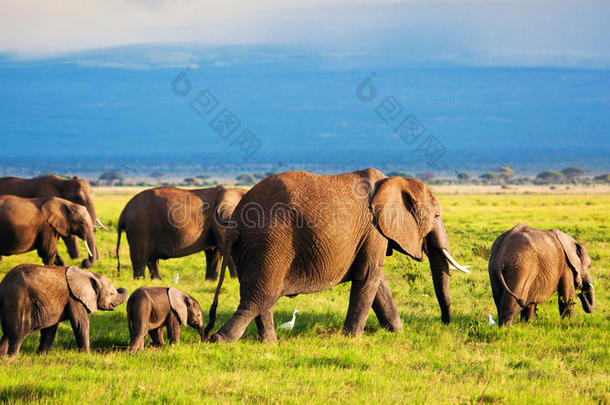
x,y
546,361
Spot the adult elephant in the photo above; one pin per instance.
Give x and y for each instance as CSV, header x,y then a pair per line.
x,y
528,265
298,233
77,190
37,223
166,222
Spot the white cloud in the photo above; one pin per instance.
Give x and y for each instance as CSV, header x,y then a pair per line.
x,y
504,32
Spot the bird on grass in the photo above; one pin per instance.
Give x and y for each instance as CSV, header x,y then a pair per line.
x,y
290,324
490,319
175,281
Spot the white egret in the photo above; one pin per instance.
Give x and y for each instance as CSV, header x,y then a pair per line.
x,y
290,324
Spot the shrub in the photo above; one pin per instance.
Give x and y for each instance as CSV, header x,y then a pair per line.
x,y
550,177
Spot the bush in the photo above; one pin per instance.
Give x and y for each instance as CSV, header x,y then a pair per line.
x,y
550,177
602,178
246,179
400,173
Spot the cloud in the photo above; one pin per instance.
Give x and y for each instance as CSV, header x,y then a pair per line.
x,y
495,32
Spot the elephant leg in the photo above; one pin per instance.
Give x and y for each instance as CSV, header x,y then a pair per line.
x,y
509,307
137,333
232,268
138,262
153,268
47,337
14,345
173,329
384,307
80,325
265,326
156,335
567,296
528,312
236,326
361,299
213,259
3,345
71,243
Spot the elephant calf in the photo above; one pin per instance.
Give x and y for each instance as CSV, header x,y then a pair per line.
x,y
528,265
149,309
36,297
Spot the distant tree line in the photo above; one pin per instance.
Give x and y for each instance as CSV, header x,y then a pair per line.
x,y
501,176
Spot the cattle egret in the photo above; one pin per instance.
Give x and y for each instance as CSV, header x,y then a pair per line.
x,y
175,281
491,320
290,324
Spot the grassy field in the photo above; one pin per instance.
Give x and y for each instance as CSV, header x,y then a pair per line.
x,y
546,361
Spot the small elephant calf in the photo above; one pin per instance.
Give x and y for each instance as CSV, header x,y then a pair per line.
x,y
36,297
149,309
528,265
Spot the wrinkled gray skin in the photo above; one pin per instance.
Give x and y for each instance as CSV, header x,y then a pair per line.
x,y
37,223
77,190
36,297
299,233
149,309
167,222
528,265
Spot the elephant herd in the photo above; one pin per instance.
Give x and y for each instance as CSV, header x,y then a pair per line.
x,y
292,233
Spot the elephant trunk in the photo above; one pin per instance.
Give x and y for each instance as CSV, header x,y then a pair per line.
x,y
436,242
91,247
122,295
201,331
587,296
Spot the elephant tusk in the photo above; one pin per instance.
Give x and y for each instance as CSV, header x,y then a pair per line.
x,y
87,247
452,267
101,225
454,263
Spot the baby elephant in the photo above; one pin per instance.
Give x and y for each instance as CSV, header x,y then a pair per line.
x,y
36,297
149,309
528,265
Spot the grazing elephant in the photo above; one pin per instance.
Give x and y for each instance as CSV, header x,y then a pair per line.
x,y
36,297
298,233
528,265
149,309
37,223
77,190
166,222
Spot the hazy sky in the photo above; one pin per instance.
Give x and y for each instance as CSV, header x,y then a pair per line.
x,y
492,32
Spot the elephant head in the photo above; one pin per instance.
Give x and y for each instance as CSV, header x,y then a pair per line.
x,y
408,214
69,219
187,310
94,290
227,199
579,261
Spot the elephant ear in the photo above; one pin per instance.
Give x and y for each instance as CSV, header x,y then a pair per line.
x,y
178,302
574,253
83,286
393,206
56,213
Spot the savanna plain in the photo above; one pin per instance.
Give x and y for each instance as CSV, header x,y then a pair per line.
x,y
545,361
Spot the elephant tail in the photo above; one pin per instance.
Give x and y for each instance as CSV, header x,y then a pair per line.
x,y
212,313
508,290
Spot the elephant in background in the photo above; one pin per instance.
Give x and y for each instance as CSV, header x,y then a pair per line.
x,y
167,222
299,233
36,297
37,223
528,265
77,190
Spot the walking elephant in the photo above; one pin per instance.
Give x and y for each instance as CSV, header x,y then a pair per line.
x,y
166,222
298,233
77,190
36,297
37,223
528,265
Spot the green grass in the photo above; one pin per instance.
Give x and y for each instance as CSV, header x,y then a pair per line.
x,y
546,361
